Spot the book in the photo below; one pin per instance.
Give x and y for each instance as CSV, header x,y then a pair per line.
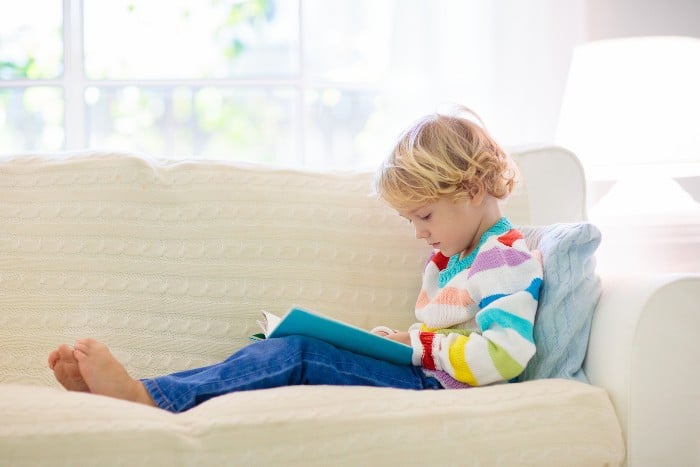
x,y
303,322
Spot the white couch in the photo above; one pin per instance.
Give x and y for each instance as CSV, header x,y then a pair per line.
x,y
169,263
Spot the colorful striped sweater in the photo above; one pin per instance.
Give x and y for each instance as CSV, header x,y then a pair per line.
x,y
477,313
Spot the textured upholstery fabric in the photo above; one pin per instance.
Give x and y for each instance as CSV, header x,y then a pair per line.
x,y
553,422
170,263
568,298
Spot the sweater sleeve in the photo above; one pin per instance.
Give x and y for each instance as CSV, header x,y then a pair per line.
x,y
503,342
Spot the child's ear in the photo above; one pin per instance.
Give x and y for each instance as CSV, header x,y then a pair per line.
x,y
476,191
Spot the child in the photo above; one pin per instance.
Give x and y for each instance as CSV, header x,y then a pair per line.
x,y
476,307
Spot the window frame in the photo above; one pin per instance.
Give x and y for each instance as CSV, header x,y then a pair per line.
x,y
73,82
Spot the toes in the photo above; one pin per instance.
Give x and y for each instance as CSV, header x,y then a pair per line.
x,y
65,352
53,359
62,353
84,345
79,354
81,347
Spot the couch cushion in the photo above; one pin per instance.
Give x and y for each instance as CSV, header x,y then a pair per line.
x,y
569,295
557,422
170,263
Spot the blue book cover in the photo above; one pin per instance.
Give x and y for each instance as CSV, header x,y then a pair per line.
x,y
342,335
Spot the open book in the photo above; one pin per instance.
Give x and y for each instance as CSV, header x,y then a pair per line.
x,y
342,335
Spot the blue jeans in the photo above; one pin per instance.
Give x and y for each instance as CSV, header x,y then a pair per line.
x,y
279,362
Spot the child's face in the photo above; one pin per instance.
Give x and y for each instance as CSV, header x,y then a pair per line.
x,y
449,225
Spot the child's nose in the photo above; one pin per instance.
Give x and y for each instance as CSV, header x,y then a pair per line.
x,y
421,233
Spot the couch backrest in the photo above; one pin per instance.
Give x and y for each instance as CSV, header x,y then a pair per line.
x,y
552,188
170,262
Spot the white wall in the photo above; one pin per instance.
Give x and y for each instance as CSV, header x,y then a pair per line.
x,y
524,50
609,19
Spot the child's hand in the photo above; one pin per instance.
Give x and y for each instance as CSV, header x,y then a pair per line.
x,y
403,337
392,334
383,331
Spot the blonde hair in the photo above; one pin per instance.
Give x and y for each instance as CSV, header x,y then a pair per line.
x,y
444,155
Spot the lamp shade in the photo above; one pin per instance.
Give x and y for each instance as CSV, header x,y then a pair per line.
x,y
633,105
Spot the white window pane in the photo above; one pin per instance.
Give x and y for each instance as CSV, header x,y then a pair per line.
x,y
31,44
184,39
31,119
348,40
245,124
339,128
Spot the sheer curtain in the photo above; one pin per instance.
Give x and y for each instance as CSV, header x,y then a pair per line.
x,y
506,59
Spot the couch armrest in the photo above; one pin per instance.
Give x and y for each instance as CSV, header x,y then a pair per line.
x,y
644,351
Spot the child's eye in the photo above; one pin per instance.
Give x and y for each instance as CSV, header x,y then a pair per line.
x,y
426,217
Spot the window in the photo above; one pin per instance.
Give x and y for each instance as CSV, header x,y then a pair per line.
x,y
32,99
175,78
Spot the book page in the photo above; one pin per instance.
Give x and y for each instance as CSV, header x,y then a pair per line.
x,y
269,322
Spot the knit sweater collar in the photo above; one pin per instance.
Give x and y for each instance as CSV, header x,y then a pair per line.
x,y
455,264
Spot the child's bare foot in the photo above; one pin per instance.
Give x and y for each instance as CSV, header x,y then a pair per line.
x,y
65,369
103,374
